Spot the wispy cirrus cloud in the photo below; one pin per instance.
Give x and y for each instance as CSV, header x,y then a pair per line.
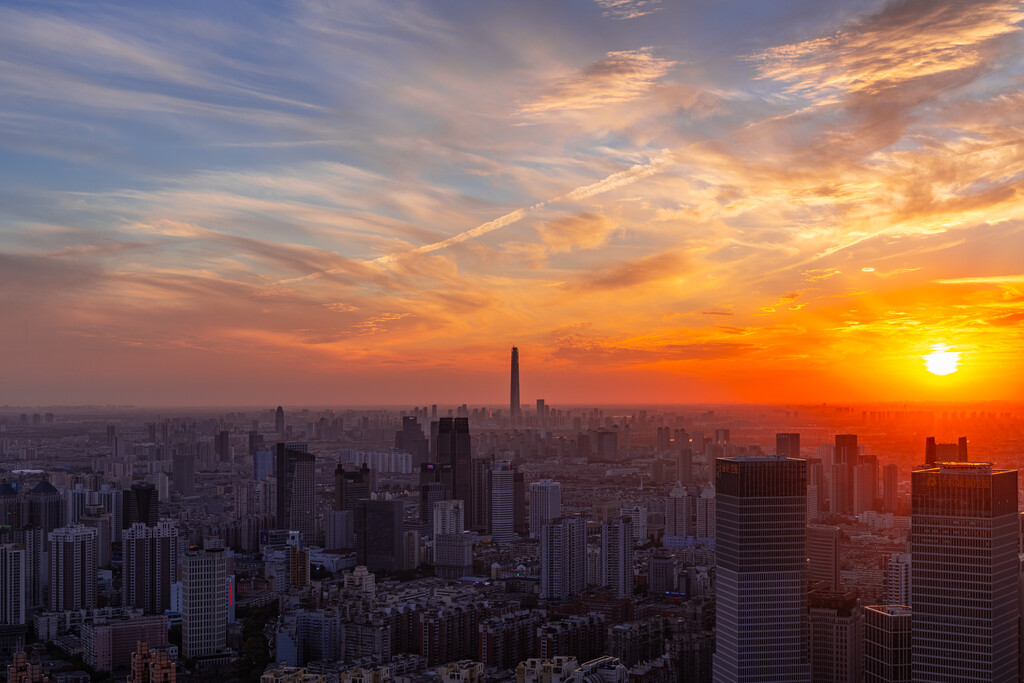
x,y
620,77
628,9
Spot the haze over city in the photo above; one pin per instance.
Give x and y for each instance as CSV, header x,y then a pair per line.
x,y
348,203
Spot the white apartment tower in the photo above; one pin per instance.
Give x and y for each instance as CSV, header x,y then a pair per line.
x,y
617,556
203,604
563,558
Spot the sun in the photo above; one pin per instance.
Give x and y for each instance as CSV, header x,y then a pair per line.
x,y
942,361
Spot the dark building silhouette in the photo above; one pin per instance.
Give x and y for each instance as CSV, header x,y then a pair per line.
x,y
454,450
380,535
45,508
411,440
787,445
184,462
515,405
945,452
222,446
844,473
296,502
10,506
140,503
350,486
279,420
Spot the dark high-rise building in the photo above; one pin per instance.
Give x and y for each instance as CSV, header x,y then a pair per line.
x,y
844,474
184,462
787,445
150,566
964,573
454,449
350,486
823,556
887,644
10,506
222,446
45,508
140,504
761,573
296,502
411,440
279,420
515,405
380,535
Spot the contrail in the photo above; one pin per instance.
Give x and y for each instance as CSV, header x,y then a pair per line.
x,y
615,180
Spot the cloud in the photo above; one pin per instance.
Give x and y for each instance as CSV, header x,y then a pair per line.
x,y
984,280
620,77
628,9
905,41
583,231
637,272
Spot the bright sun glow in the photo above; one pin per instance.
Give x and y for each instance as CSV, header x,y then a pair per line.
x,y
942,361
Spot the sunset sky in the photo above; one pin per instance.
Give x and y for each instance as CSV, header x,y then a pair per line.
x,y
365,202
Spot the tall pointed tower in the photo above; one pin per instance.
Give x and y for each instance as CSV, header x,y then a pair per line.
x,y
515,405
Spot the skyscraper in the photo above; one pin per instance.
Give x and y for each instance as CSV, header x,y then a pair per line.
x,y
844,472
184,463
296,503
964,573
140,504
890,487
545,504
836,632
787,445
411,440
454,451
617,556
350,486
204,615
150,566
380,535
823,555
72,568
761,615
45,507
501,485
279,421
887,644
515,405
13,585
449,517
563,558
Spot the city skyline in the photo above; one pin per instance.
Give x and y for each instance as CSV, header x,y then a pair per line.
x,y
336,204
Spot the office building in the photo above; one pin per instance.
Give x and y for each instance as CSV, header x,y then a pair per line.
x,y
410,439
204,615
545,504
945,452
454,455
184,471
351,486
72,568
380,535
140,504
844,473
836,645
432,493
964,573
296,502
563,557
501,488
887,644
617,556
823,556
787,445
150,566
279,421
339,529
761,574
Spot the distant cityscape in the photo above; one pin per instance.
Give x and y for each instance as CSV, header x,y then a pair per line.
x,y
523,543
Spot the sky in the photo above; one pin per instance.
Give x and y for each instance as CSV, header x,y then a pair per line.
x,y
369,202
